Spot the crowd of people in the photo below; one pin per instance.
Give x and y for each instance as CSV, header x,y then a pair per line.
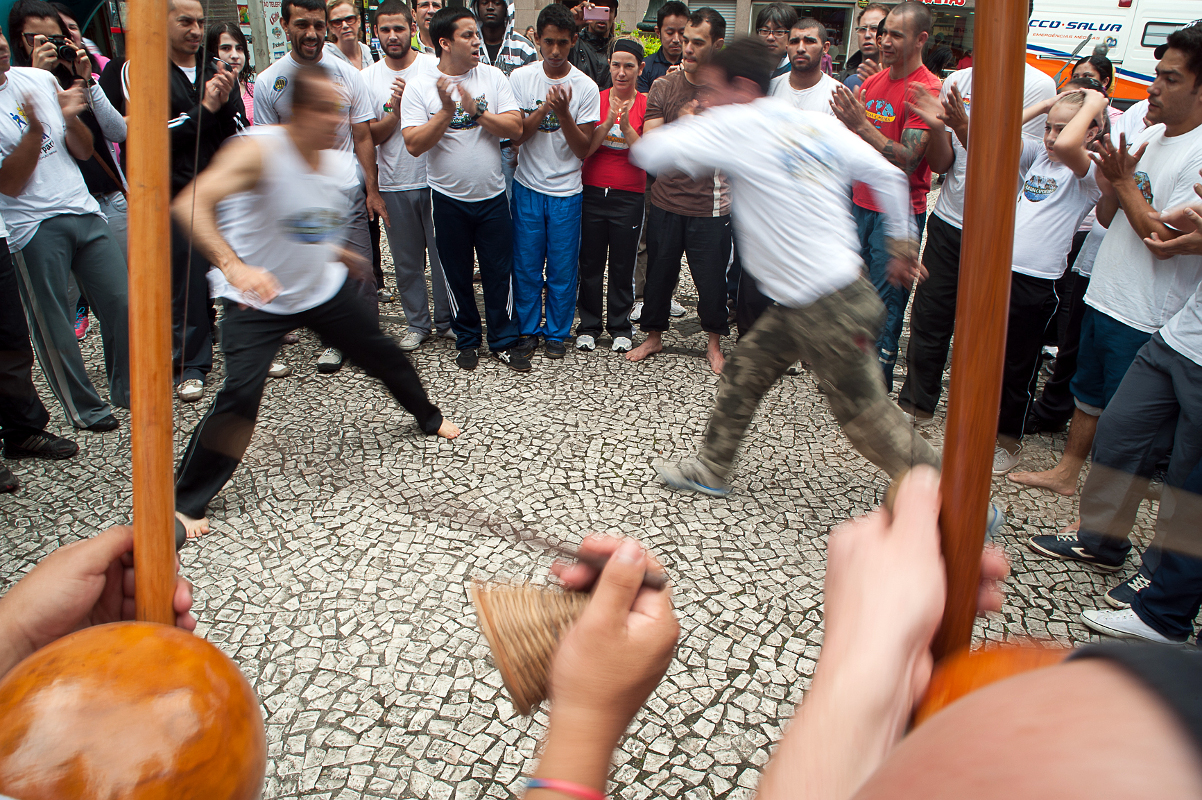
x,y
544,169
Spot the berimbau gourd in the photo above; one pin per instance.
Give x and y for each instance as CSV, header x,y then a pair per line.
x,y
138,710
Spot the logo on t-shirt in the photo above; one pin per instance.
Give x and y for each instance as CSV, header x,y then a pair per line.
x,y
614,138
806,155
1145,185
550,122
880,112
1039,188
313,225
280,83
462,120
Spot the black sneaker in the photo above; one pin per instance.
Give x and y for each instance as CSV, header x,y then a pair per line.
x,y
8,481
467,359
513,359
1037,424
1068,547
104,424
555,349
41,445
526,346
1123,595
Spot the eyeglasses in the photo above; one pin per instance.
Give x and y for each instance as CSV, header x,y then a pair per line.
x,y
343,21
766,32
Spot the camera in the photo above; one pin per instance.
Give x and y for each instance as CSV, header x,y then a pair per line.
x,y
66,52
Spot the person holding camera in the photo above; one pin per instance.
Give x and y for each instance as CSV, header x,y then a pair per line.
x,y
55,228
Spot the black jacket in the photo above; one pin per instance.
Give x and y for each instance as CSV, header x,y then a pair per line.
x,y
591,56
189,121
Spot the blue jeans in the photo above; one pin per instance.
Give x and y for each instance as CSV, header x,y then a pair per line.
x,y
546,230
1107,349
871,227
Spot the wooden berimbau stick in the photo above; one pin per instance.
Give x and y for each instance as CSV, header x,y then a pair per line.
x,y
138,710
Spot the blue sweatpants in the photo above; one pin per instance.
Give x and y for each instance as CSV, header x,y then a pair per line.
x,y
546,230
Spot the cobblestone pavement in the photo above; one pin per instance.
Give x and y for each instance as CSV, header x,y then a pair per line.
x,y
336,571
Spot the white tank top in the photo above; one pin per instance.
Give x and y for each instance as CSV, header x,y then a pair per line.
x,y
289,224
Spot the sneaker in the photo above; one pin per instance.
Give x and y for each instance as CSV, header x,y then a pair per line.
x,y
586,343
291,338
622,345
691,476
412,340
190,390
104,424
467,359
447,334
526,346
41,445
994,522
1123,595
512,358
81,324
383,295
636,311
8,481
1004,460
676,309
793,369
329,362
1124,624
1037,424
921,419
555,349
279,369
1068,547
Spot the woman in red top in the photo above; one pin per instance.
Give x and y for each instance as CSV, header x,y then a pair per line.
x,y
612,215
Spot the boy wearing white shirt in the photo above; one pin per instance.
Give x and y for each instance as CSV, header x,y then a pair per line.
x,y
1059,189
805,85
791,170
403,183
561,106
458,115
55,229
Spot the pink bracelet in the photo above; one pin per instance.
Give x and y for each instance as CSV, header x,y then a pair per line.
x,y
565,787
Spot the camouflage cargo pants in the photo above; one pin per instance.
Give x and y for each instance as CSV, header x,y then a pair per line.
x,y
836,335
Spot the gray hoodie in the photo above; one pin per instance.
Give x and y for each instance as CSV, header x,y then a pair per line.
x,y
516,50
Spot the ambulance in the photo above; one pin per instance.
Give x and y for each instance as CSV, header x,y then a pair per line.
x,y
1126,31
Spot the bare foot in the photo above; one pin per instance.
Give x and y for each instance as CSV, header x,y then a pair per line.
x,y
1055,479
194,528
716,359
448,429
1072,527
650,347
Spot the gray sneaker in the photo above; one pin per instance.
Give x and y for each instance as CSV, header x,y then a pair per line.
x,y
692,476
279,369
384,296
412,340
190,390
329,362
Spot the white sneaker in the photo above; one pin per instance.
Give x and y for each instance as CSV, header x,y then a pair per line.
x,y
636,311
330,361
622,345
1124,624
447,334
1004,460
190,390
279,370
411,340
586,343
676,309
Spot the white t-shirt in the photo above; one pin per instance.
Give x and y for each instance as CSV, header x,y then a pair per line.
x,y
289,224
273,98
190,72
365,56
1036,87
816,98
1128,282
56,187
1051,204
790,174
546,163
1183,332
466,162
399,171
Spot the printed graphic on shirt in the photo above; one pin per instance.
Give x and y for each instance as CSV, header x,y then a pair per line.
x,y
881,112
615,139
313,225
1145,185
1038,188
806,155
22,120
280,83
550,122
462,121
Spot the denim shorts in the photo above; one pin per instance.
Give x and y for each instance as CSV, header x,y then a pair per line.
x,y
1107,349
